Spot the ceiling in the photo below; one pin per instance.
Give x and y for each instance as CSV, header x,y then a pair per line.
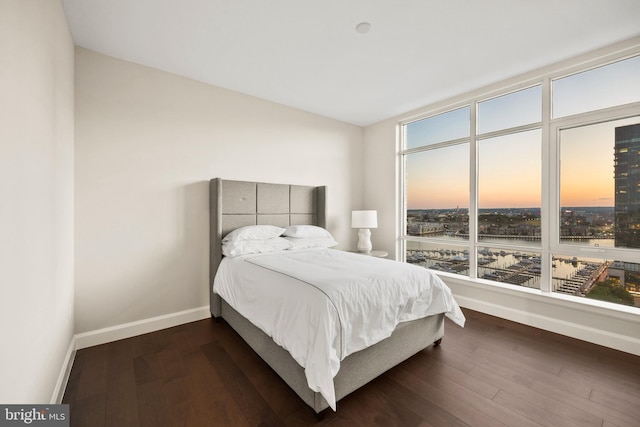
x,y
307,54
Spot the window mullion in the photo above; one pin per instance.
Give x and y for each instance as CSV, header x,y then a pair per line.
x,y
548,209
401,225
473,192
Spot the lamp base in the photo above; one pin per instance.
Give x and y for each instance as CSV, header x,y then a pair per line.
x,y
364,240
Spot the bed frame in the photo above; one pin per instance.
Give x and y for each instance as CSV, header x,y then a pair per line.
x,y
236,204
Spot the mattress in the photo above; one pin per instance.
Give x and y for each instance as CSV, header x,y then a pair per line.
x,y
323,304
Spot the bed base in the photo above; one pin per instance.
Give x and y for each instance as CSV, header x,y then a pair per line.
x,y
356,369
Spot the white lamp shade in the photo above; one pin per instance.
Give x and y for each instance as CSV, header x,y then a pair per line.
x,y
364,219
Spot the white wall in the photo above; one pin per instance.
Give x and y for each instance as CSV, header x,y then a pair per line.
x,y
612,328
36,189
381,183
147,142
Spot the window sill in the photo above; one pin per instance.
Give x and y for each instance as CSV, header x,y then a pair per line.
x,y
587,305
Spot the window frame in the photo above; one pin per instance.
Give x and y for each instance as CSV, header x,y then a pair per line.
x,y
403,152
550,173
556,127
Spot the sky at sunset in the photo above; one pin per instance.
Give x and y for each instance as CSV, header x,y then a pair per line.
x,y
509,171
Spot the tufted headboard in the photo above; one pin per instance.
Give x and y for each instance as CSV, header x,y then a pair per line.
x,y
235,204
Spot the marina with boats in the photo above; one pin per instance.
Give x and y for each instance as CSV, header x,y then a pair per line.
x,y
570,275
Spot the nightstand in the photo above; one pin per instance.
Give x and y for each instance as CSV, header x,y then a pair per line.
x,y
377,254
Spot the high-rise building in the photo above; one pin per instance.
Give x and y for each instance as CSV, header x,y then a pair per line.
x,y
627,186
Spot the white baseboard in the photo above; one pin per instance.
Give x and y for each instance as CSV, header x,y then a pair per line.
x,y
557,325
128,330
63,377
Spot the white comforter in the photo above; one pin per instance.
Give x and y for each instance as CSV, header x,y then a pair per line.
x,y
345,303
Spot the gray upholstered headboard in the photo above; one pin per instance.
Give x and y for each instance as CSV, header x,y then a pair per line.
x,y
234,204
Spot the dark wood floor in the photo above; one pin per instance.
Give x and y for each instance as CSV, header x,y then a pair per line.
x,y
491,373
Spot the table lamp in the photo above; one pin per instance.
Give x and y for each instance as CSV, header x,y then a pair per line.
x,y
364,220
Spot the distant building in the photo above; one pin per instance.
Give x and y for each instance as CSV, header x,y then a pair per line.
x,y
627,186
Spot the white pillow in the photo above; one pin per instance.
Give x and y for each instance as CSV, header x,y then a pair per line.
x,y
256,246
306,231
311,242
253,232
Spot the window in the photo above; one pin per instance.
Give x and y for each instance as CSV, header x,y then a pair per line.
x,y
509,189
442,175
505,191
440,128
597,207
515,109
602,87
437,174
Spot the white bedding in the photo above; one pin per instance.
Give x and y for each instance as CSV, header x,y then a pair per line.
x,y
323,304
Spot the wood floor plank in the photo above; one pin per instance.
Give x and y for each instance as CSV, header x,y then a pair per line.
x,y
618,401
255,408
532,411
209,399
585,404
522,373
537,402
455,356
470,406
491,373
432,371
626,379
121,396
418,402
152,406
266,382
88,411
375,408
94,372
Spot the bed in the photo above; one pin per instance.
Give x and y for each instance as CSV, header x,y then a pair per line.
x,y
238,204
